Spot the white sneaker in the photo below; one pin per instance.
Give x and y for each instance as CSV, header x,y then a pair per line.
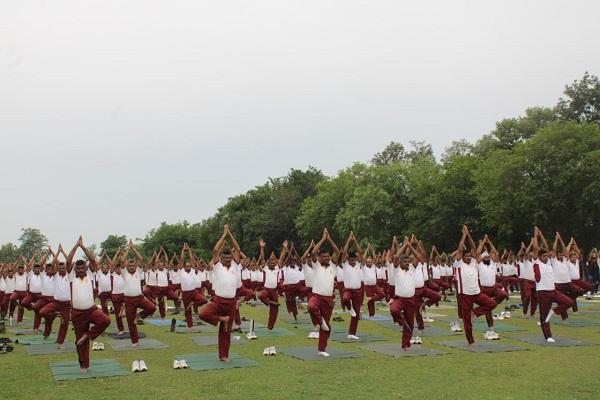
x,y
418,340
176,364
94,346
266,351
183,364
353,337
498,317
323,354
550,340
313,335
100,346
455,328
324,325
143,366
135,366
506,314
412,340
272,351
251,336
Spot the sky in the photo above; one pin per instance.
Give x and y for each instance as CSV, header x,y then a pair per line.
x,y
116,116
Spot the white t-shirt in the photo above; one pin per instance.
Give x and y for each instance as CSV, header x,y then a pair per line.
x,y
561,270
527,270
404,282
10,284
352,275
151,278
104,284
174,277
188,280
420,274
380,271
324,278
290,276
436,271
467,276
369,275
133,282
62,287
21,282
47,285
225,280
35,282
487,274
546,276
162,278
83,293
308,275
574,270
271,277
118,283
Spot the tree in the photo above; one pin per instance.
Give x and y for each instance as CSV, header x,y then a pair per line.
x,y
583,100
113,243
172,237
31,241
393,152
458,148
8,253
93,248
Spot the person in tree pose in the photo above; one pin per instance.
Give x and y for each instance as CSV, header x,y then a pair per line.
x,y
271,284
353,293
373,290
486,268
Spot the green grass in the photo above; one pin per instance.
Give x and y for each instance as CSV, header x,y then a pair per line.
x,y
556,373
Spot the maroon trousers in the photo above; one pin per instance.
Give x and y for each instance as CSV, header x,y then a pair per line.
x,y
161,293
27,302
246,294
530,298
508,281
104,297
353,298
375,293
466,304
40,303
424,293
118,300
221,307
290,292
403,311
192,298
16,298
320,308
340,287
498,295
546,298
49,312
585,286
572,291
131,306
81,322
266,296
150,292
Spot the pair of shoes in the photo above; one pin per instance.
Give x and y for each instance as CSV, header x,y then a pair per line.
x,y
455,327
270,351
138,366
180,364
498,317
323,354
96,346
506,314
353,337
491,335
5,348
416,340
313,335
251,336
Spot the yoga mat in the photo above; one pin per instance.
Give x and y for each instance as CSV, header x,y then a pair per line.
x,y
481,346
197,329
160,322
69,370
262,331
378,317
22,332
395,350
33,339
343,338
126,335
499,326
49,348
208,361
144,344
214,340
26,324
561,341
581,323
310,353
431,331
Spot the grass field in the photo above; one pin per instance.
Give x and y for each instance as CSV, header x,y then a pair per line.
x,y
539,372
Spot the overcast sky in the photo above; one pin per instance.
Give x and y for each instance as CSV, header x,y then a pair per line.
x,y
117,115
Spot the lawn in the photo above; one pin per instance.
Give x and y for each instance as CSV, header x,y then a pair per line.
x,y
538,372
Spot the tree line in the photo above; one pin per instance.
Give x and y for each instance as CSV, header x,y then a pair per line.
x,y
539,169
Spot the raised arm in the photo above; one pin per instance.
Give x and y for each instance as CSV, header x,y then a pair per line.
x,y
90,256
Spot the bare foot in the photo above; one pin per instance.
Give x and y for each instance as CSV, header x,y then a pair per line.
x,y
224,359
121,333
60,346
135,345
83,370
82,339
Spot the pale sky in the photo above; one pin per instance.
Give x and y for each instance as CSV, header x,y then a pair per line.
x,y
117,115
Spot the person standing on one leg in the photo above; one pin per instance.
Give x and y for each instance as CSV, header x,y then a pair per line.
x,y
487,280
373,292
545,285
467,277
576,273
190,294
530,299
320,305
562,276
84,310
353,292
403,304
269,296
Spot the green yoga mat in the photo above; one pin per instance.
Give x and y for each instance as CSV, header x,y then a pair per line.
x,y
581,323
262,331
499,326
196,329
481,346
395,350
214,340
208,361
144,344
69,370
343,338
310,353
33,339
49,348
560,341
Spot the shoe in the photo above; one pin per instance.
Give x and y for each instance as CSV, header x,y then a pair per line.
x,y
183,364
418,340
550,340
455,327
323,354
176,364
135,366
100,346
324,325
498,317
94,346
266,351
353,337
272,351
426,318
412,341
143,366
251,336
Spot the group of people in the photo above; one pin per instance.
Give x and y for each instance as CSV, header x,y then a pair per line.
x,y
405,276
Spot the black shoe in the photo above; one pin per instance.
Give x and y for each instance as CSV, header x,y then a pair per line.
x,y
173,324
